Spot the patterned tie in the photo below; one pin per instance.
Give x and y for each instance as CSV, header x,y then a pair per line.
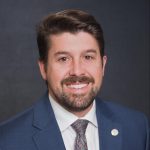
x,y
80,127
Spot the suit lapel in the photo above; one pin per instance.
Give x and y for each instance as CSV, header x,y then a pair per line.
x,y
48,135
110,134
49,139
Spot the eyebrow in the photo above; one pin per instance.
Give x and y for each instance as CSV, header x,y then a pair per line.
x,y
61,53
91,51
66,53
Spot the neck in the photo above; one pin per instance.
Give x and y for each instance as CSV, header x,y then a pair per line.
x,y
82,113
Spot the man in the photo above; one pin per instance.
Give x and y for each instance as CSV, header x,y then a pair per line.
x,y
70,116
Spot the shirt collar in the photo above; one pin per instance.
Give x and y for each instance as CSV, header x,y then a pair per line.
x,y
65,118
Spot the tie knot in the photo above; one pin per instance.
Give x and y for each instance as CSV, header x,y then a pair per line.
x,y
80,126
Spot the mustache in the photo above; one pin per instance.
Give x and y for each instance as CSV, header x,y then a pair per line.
x,y
73,79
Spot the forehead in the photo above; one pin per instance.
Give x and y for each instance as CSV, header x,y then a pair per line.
x,y
67,41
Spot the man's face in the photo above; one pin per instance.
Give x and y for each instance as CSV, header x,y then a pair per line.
x,y
74,70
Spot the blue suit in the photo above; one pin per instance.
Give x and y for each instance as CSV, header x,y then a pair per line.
x,y
37,129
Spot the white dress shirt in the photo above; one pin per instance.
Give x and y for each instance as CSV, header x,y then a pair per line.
x,y
65,119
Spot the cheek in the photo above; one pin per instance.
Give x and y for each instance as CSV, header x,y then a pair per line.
x,y
56,75
97,73
95,70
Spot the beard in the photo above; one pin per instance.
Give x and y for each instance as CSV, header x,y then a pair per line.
x,y
71,101
76,102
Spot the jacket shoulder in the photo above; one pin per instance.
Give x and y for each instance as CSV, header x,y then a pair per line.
x,y
123,114
18,117
120,110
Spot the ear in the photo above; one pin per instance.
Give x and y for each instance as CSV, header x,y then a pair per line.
x,y
42,69
104,59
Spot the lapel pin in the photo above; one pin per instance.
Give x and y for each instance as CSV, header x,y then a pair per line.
x,y
114,132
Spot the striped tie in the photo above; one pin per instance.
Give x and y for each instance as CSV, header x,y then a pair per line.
x,y
80,127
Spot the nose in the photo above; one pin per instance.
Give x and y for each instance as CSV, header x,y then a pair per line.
x,y
77,68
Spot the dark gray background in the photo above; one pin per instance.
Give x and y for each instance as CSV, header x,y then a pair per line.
x,y
126,30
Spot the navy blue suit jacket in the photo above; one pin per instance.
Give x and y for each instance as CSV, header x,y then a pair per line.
x,y
37,129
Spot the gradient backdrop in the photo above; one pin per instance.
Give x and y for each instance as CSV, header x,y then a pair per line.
x,y
126,29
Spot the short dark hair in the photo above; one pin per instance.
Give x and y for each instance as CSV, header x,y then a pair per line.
x,y
72,21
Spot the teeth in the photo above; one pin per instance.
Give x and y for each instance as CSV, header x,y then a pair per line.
x,y
77,86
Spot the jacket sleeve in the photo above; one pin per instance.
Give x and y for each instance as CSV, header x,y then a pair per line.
x,y
148,134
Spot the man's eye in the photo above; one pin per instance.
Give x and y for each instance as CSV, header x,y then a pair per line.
x,y
63,59
88,57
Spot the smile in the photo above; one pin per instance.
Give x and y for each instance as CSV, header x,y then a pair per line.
x,y
77,86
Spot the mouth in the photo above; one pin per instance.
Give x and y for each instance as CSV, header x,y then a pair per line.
x,y
77,88
77,85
